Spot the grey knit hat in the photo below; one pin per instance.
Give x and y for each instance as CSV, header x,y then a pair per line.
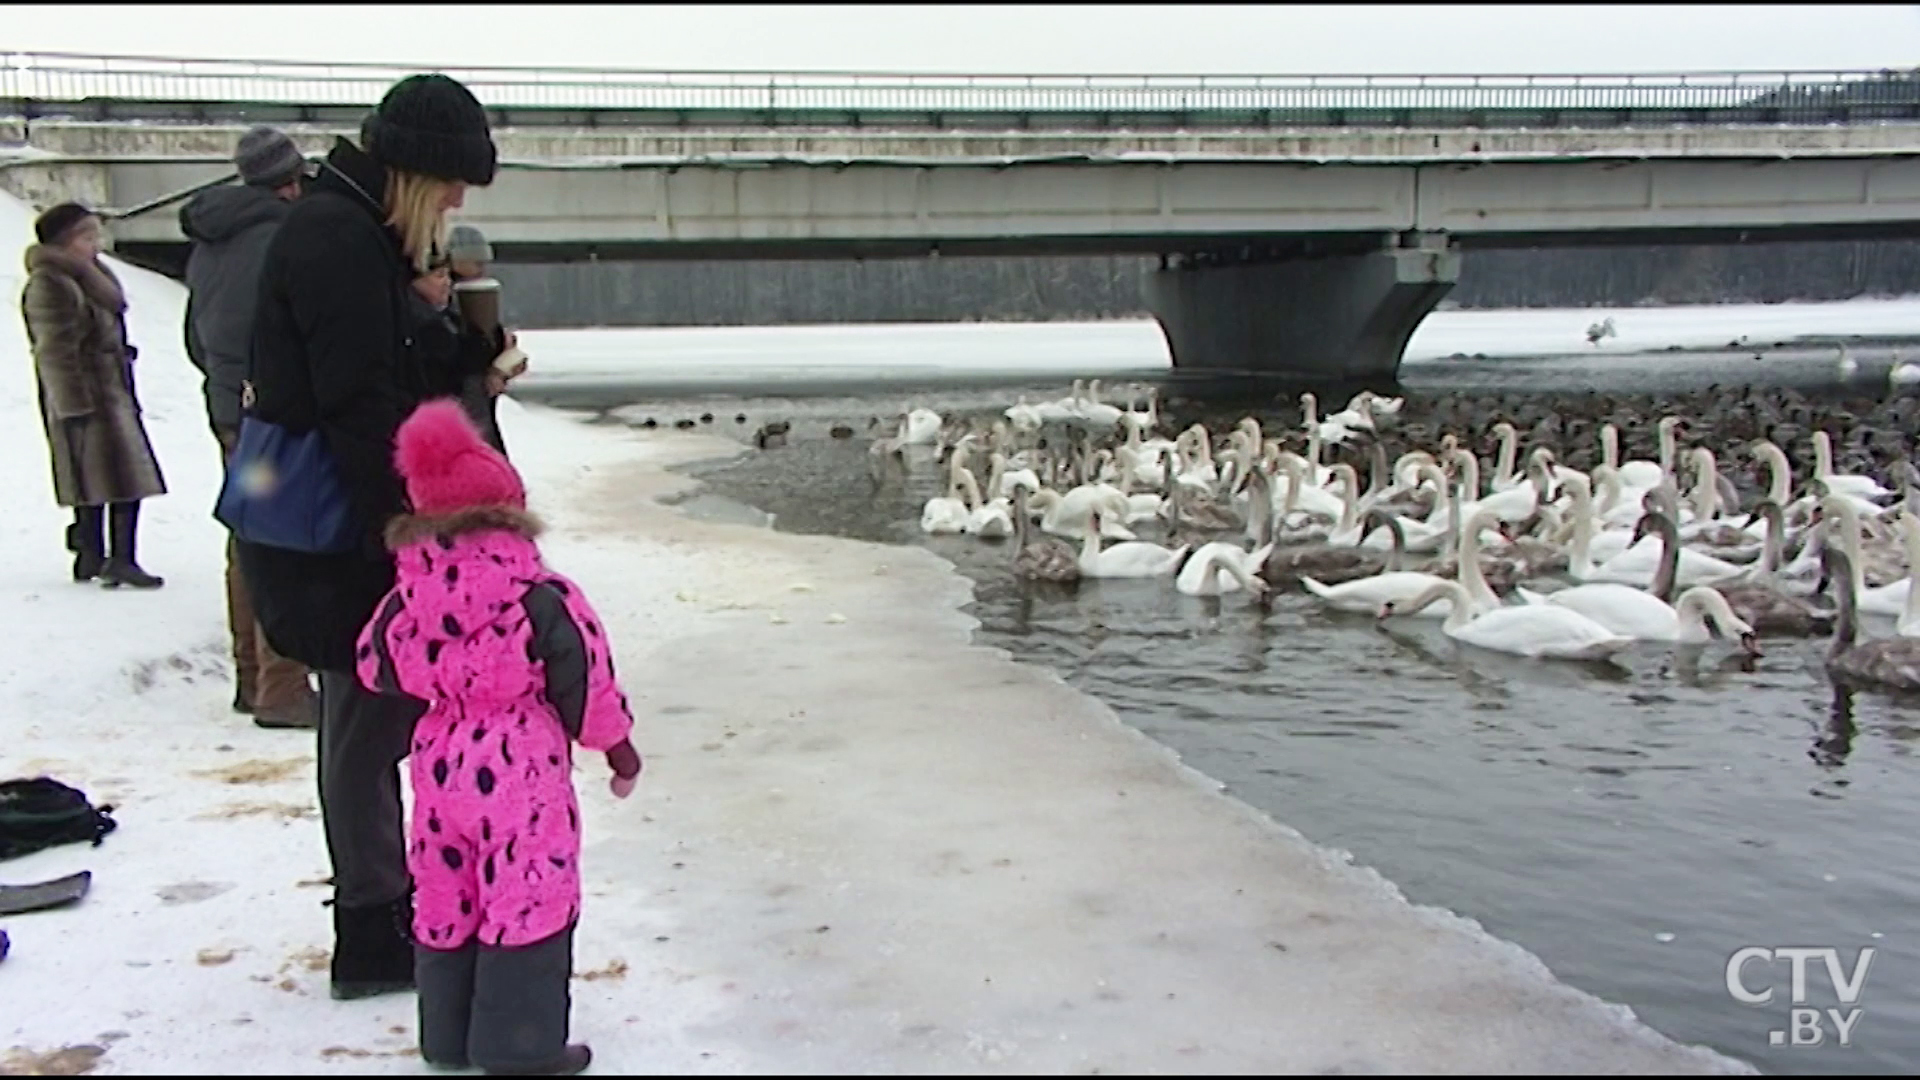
x,y
468,244
267,158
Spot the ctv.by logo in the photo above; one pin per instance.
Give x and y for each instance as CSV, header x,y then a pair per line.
x,y
1806,1025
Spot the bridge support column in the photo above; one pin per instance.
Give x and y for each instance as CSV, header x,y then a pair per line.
x,y
1338,317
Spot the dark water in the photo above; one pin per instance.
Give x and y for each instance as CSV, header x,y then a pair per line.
x,y
1633,824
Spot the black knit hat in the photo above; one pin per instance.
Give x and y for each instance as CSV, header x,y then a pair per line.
x,y
54,225
434,126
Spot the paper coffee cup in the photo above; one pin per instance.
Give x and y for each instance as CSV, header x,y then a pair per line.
x,y
479,302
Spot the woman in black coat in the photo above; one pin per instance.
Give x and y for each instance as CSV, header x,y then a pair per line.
x,y
333,350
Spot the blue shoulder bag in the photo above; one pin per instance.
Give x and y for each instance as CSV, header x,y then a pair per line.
x,y
281,490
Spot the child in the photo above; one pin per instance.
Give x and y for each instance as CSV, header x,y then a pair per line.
x,y
457,358
514,667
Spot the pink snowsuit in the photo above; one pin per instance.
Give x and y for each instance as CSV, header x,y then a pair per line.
x,y
511,660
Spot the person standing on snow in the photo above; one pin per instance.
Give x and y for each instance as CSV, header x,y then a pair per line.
x,y
332,352
515,668
230,227
75,313
468,254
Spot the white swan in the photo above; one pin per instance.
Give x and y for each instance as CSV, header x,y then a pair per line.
x,y
1366,595
922,428
1645,617
1639,564
1646,474
948,513
1859,487
1222,568
989,519
1128,559
1535,631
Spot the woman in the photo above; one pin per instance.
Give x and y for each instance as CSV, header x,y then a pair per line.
x,y
103,465
333,351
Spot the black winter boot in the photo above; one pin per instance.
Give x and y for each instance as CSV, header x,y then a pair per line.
x,y
123,522
521,1002
372,949
85,540
445,978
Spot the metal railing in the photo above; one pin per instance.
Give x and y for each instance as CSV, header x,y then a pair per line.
x,y
41,83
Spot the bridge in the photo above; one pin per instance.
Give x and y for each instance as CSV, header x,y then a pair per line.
x,y
1305,224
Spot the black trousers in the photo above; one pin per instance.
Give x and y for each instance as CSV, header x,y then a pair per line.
x,y
363,739
497,1008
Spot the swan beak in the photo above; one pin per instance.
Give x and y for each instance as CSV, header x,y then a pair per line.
x,y
1751,644
1386,610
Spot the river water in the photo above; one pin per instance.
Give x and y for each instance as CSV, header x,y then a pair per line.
x,y
1633,824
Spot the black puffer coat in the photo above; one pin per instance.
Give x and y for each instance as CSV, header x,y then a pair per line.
x,y
334,350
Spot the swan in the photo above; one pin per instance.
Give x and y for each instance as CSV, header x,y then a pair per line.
x,y
1639,563
1602,329
1024,417
1039,558
1759,600
989,519
1535,631
1140,423
1218,568
1892,662
1504,478
922,428
948,513
1907,374
1094,412
1366,595
1645,474
1009,478
1889,599
1859,487
1067,515
1129,559
1645,617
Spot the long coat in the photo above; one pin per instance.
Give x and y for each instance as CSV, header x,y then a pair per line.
x,y
333,352
75,313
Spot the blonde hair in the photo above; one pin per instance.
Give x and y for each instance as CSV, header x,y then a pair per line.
x,y
415,209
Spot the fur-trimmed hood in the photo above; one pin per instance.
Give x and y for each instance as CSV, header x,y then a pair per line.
x,y
410,529
92,275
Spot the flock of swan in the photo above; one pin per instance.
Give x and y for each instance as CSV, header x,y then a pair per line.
x,y
1531,557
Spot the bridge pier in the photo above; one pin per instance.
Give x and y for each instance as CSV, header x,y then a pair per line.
x,y
1331,317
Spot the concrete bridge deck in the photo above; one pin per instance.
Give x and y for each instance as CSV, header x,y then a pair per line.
x,y
1317,249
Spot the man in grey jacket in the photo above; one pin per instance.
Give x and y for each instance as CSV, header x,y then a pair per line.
x,y
230,227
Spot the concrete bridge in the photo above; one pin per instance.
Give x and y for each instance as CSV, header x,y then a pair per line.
x,y
1305,226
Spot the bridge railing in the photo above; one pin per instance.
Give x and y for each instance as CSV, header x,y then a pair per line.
x,y
52,83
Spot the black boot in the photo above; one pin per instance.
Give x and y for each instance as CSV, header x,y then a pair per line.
x,y
445,977
123,522
372,949
521,1001
84,539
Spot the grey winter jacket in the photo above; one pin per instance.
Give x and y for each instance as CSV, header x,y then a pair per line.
x,y
230,228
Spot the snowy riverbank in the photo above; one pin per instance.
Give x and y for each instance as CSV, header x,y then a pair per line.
x,y
859,845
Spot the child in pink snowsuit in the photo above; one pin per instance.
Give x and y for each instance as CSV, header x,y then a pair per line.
x,y
514,667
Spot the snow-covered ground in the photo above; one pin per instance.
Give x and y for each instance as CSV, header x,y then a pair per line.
x,y
764,356
860,843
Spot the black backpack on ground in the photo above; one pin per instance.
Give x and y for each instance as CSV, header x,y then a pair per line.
x,y
43,813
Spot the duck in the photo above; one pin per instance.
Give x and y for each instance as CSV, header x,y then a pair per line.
x,y
1887,662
